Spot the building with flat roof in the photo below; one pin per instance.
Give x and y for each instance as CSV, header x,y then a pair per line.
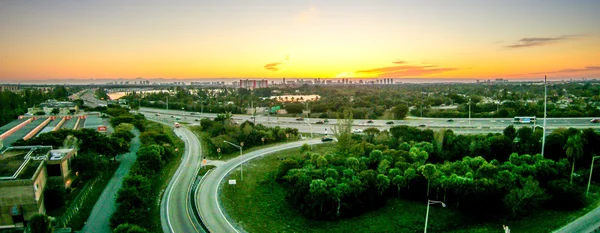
x,y
24,172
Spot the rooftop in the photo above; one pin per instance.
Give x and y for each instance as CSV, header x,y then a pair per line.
x,y
21,162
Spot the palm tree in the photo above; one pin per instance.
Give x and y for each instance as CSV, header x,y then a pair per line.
x,y
574,150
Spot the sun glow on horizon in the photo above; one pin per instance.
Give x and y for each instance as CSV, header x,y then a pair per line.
x,y
333,39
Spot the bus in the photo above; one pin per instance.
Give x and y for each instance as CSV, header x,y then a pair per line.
x,y
177,125
524,120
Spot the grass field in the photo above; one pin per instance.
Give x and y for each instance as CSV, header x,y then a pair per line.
x,y
258,205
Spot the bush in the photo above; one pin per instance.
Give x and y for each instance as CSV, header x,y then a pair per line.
x,y
565,196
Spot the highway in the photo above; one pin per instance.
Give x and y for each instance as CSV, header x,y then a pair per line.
x,y
176,213
459,125
209,205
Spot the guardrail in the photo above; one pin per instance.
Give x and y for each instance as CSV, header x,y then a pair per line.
x,y
192,195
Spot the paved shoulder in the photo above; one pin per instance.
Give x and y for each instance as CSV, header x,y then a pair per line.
x,y
585,224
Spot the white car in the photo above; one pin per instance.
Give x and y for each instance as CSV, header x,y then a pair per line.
x,y
357,131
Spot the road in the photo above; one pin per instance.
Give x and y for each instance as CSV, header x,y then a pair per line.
x,y
209,205
585,224
175,209
105,206
459,125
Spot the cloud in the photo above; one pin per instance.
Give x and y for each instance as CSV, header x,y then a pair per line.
x,y
273,66
539,41
307,16
276,66
399,62
571,70
403,70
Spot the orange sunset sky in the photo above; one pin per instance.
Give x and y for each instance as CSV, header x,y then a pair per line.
x,y
299,39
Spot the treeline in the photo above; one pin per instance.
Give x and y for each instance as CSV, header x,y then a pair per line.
x,y
223,128
137,198
14,104
460,170
195,100
94,153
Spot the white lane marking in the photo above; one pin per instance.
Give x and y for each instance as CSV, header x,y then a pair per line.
x,y
243,160
171,190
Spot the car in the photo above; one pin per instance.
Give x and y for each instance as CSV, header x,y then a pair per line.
x,y
326,139
320,122
194,113
196,119
422,125
357,131
300,118
326,121
251,117
172,116
596,120
390,122
450,120
370,121
157,114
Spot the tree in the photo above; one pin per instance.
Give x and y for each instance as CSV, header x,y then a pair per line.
x,y
510,132
55,111
429,171
526,198
343,132
40,223
318,191
399,181
382,182
129,228
574,150
400,111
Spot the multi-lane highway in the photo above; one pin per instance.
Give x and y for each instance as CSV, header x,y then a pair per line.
x,y
459,125
176,212
209,205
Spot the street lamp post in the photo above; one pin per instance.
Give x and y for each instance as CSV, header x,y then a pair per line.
x,y
469,111
241,165
429,202
591,169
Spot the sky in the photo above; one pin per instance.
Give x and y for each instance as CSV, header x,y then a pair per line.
x,y
514,39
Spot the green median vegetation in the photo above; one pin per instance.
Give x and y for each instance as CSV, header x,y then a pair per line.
x,y
215,134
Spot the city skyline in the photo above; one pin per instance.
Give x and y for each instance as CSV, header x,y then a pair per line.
x,y
269,39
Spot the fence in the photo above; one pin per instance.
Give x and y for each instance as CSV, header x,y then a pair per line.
x,y
73,209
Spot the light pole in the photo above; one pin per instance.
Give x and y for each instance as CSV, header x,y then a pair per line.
x,y
591,169
429,202
469,111
241,165
544,133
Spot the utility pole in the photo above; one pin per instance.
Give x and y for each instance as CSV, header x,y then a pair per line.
x,y
167,101
545,103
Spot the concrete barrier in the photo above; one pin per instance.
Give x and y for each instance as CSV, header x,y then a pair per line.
x,y
37,129
14,129
62,121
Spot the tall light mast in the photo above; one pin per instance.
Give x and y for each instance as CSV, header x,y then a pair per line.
x,y
545,103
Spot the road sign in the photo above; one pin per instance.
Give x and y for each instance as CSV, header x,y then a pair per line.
x,y
287,135
262,139
231,181
218,150
204,162
242,144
